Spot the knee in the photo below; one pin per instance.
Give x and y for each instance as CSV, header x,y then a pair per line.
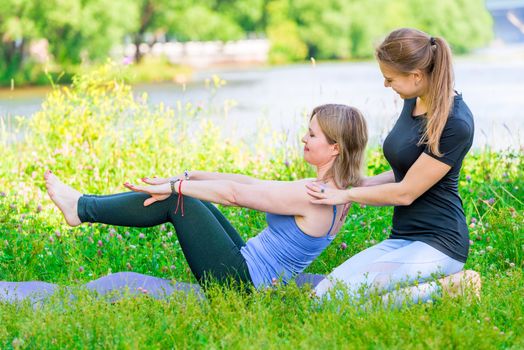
x,y
323,287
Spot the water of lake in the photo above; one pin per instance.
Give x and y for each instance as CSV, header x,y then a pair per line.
x,y
494,91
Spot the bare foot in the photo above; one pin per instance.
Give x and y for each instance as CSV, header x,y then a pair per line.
x,y
456,284
64,197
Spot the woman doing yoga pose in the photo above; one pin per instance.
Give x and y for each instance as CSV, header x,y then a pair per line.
x,y
297,231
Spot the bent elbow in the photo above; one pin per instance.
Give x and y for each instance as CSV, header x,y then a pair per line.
x,y
405,199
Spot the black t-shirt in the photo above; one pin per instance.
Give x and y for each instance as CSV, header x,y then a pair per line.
x,y
436,217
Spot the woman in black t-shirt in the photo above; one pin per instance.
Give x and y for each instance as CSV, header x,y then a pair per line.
x,y
425,149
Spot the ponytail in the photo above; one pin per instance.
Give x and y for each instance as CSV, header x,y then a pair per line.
x,y
406,50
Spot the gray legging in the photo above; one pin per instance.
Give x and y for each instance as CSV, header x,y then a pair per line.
x,y
209,242
384,265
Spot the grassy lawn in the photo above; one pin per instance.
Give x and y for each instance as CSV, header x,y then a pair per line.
x,y
95,136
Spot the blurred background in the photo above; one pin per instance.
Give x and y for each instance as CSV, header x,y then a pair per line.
x,y
270,60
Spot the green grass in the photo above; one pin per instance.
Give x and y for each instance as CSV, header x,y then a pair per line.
x,y
95,135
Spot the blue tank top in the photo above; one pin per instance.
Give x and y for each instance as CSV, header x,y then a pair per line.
x,y
282,250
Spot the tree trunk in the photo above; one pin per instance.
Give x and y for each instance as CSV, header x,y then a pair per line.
x,y
145,21
137,41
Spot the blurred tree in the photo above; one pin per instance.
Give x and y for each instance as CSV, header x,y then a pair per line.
x,y
282,32
465,24
248,14
86,30
153,16
202,23
80,30
324,26
17,28
382,16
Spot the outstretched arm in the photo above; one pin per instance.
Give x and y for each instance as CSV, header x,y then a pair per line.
x,y
204,175
278,197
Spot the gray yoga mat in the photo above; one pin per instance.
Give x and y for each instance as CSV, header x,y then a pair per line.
x,y
117,284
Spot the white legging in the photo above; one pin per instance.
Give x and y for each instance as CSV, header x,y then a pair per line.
x,y
383,266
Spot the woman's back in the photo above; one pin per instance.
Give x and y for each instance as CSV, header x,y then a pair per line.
x,y
282,250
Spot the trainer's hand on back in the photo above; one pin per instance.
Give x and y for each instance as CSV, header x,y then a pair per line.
x,y
321,194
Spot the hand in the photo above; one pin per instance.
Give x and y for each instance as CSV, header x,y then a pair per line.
x,y
158,192
325,195
159,180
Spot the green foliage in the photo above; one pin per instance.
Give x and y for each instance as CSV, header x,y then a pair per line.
x,y
199,22
352,29
95,135
324,27
85,31
17,26
286,44
465,24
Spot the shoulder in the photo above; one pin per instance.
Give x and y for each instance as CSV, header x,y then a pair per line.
x,y
460,112
460,121
457,127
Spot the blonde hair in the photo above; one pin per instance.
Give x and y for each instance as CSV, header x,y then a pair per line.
x,y
345,126
406,50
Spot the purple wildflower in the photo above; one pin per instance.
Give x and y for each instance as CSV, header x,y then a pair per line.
x,y
126,61
343,246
